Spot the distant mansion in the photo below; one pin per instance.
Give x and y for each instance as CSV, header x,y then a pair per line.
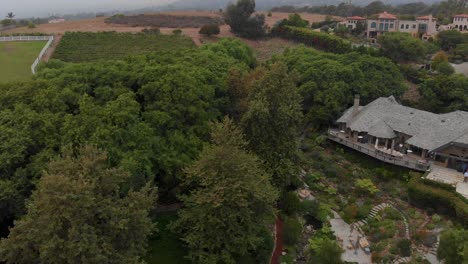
x,y
404,136
423,27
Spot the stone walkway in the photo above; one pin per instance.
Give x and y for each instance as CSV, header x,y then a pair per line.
x,y
348,241
449,176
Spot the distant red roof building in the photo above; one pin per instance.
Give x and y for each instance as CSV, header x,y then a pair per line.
x,y
462,15
355,18
386,15
425,18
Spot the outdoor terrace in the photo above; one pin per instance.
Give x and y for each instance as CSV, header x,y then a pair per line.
x,y
388,156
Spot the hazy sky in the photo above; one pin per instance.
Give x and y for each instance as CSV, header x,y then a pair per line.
x,y
29,8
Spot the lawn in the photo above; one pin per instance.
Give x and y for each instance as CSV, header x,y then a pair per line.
x,y
165,246
16,59
87,46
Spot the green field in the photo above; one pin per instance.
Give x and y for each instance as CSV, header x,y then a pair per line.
x,y
87,46
16,59
165,246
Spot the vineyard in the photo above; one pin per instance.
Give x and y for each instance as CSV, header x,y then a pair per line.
x,y
86,46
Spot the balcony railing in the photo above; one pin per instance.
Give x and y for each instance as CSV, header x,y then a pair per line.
x,y
404,161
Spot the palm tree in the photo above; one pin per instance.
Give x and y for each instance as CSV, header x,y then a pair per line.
x,y
10,15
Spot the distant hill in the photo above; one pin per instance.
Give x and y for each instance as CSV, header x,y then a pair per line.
x,y
268,4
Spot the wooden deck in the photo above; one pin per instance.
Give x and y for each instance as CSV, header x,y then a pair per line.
x,y
405,161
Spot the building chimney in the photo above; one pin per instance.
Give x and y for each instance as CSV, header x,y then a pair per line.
x,y
356,105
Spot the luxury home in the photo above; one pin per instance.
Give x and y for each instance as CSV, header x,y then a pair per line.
x,y
405,136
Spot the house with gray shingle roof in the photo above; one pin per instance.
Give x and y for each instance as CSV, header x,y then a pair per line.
x,y
403,135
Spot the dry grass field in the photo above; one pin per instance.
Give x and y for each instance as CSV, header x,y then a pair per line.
x,y
264,49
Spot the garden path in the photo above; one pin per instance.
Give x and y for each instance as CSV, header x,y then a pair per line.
x,y
347,238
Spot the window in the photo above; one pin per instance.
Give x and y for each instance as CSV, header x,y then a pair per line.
x,y
407,26
414,26
402,26
381,25
373,25
386,26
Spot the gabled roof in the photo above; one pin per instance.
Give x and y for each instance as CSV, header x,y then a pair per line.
x,y
427,130
382,130
462,15
386,15
355,18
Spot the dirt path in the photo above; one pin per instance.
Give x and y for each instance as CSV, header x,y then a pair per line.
x,y
412,94
48,55
278,242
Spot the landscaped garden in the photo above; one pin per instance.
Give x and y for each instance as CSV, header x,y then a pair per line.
x,y
354,185
16,58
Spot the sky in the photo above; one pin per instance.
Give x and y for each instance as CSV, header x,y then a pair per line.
x,y
39,8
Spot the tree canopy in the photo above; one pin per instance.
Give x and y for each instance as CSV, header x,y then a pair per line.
x,y
328,82
272,122
242,20
82,212
230,201
453,246
150,113
401,47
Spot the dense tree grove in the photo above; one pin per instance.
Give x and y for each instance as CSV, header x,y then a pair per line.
x,y
230,202
443,10
272,123
82,212
328,82
150,113
401,47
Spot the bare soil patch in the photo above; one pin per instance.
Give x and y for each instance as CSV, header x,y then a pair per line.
x,y
165,20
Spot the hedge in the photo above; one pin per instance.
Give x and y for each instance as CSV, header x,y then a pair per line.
x,y
309,37
441,199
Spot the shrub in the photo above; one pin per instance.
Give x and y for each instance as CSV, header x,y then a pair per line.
x,y
350,213
366,185
31,25
152,30
314,39
269,14
210,30
422,194
404,247
291,203
291,231
177,32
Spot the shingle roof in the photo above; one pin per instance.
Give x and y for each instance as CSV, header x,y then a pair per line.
x,y
382,130
462,15
428,130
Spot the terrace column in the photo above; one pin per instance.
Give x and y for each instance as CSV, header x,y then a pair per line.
x,y
386,143
376,142
446,162
393,145
423,153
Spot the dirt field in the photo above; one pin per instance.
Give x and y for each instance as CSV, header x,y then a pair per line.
x,y
98,24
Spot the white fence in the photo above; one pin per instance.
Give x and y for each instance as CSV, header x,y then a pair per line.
x,y
32,38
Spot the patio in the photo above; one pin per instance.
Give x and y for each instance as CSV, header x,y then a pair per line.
x,y
410,161
448,176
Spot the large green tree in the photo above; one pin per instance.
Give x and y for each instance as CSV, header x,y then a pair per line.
x,y
242,20
453,246
81,214
401,47
273,121
230,201
449,39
